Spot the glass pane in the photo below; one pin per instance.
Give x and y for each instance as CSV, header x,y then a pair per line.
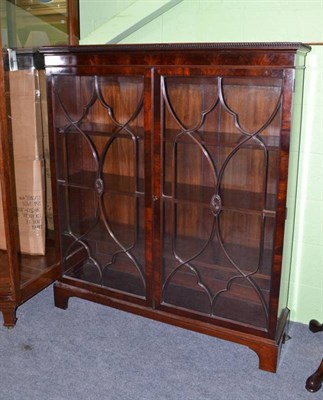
x,y
220,163
100,168
33,23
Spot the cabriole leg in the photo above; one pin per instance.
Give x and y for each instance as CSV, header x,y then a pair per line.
x,y
315,326
314,382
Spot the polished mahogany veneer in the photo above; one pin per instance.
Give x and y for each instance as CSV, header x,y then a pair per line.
x,y
21,275
170,171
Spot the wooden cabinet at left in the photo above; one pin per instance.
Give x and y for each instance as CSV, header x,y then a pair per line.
x,y
28,261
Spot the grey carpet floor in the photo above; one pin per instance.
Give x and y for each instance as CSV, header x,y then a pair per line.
x,y
94,352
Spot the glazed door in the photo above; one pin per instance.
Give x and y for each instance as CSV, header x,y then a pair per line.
x,y
219,146
99,152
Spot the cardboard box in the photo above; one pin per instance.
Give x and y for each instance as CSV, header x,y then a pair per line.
x,y
26,115
30,205
28,161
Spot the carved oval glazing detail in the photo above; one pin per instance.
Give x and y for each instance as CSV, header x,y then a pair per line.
x,y
216,204
99,186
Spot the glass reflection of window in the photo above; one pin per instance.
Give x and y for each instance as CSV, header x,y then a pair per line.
x,y
33,23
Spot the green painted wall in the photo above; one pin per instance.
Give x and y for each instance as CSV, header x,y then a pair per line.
x,y
94,13
115,20
271,20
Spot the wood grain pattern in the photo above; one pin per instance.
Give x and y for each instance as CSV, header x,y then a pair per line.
x,y
137,226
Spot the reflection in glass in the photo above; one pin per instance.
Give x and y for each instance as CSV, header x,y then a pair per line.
x,y
219,194
33,23
100,170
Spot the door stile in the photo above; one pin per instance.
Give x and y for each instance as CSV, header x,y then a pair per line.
x,y
149,129
8,187
287,89
157,187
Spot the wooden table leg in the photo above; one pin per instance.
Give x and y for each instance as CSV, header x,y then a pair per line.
x,y
315,326
314,382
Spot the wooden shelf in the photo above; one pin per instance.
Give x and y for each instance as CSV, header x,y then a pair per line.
x,y
113,279
42,9
218,260
119,184
223,139
219,265
31,266
5,286
124,278
99,129
234,309
208,138
232,200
